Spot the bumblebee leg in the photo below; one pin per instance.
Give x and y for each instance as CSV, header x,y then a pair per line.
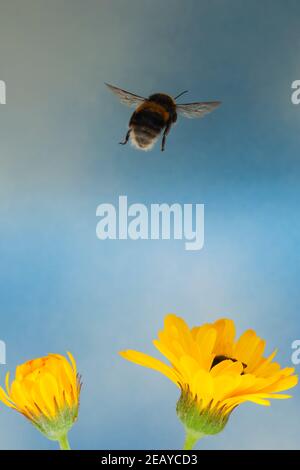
x,y
126,138
166,132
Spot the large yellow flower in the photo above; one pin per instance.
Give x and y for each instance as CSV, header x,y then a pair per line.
x,y
46,391
215,372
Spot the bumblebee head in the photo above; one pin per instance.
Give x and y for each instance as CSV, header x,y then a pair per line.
x,y
162,98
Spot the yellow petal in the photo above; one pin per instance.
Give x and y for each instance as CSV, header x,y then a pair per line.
x,y
276,396
224,385
232,402
6,399
203,387
165,351
262,367
18,396
225,337
227,367
177,330
38,401
71,376
72,362
258,400
7,383
206,343
246,346
255,355
188,368
49,392
283,384
152,363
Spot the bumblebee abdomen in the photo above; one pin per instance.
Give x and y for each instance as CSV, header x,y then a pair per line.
x,y
142,138
146,125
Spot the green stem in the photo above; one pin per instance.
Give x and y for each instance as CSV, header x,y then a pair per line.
x,y
191,439
64,443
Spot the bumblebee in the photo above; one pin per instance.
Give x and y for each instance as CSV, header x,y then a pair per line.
x,y
156,114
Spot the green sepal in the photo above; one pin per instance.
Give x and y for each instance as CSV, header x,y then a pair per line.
x,y
198,420
58,426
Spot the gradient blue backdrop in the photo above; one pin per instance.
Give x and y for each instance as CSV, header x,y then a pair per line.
x,y
63,289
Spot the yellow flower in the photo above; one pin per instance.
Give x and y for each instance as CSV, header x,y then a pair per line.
x,y
215,372
46,391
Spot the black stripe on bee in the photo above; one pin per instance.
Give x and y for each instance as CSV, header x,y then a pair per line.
x,y
146,125
149,119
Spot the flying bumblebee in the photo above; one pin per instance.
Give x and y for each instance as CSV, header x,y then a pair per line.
x,y
156,114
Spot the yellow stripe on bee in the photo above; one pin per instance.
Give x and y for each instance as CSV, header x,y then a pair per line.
x,y
155,107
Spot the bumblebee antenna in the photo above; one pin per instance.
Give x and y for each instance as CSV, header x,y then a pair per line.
x,y
180,94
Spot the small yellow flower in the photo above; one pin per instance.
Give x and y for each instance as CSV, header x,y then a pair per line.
x,y
46,391
215,372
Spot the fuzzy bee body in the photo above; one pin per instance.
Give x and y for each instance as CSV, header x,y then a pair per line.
x,y
149,119
156,114
145,127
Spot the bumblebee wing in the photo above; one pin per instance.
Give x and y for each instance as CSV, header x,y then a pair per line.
x,y
197,110
125,97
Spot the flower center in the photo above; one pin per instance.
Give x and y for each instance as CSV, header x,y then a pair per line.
x,y
222,358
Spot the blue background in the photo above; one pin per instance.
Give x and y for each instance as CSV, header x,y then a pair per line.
x,y
63,289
